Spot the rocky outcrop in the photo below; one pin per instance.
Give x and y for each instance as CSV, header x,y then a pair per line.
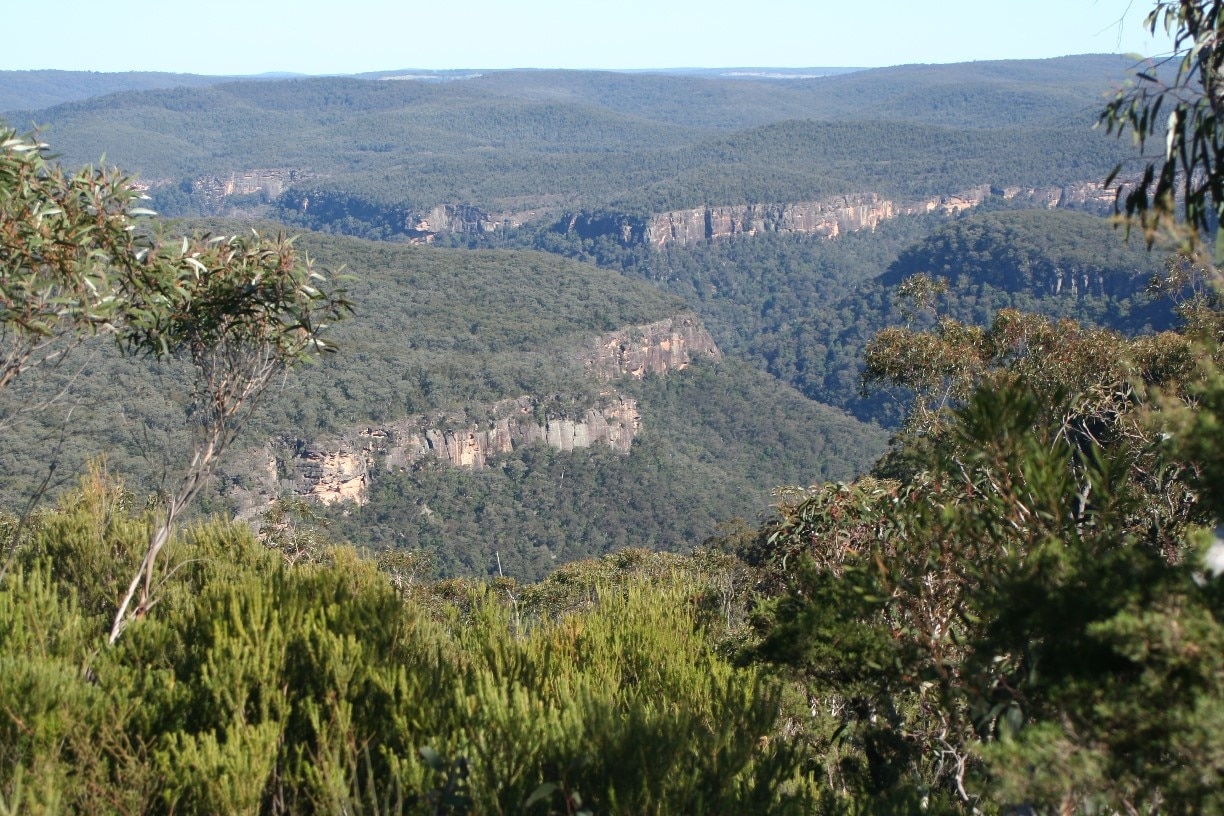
x,y
342,469
828,218
514,423
330,475
653,348
1085,195
457,218
824,218
417,227
271,183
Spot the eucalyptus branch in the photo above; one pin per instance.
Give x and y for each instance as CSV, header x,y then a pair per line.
x,y
242,311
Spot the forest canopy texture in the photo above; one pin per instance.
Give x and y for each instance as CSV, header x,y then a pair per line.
x,y
1018,610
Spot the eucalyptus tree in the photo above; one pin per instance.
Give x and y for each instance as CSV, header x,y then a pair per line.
x,y
77,258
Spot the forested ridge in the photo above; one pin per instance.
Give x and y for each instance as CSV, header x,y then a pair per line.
x,y
803,308
1015,609
524,142
434,333
27,90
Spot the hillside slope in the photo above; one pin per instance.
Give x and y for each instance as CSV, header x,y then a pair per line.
x,y
376,157
443,344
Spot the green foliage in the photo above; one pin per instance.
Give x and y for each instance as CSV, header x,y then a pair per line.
x,y
1189,178
60,235
230,296
1105,370
255,686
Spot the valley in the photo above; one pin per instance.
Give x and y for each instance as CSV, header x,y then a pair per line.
x,y
777,219
815,441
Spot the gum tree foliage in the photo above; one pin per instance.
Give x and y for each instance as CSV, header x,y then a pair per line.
x,y
1184,108
59,234
240,311
1029,614
75,261
1019,612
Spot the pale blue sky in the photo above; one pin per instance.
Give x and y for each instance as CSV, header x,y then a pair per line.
x,y
323,36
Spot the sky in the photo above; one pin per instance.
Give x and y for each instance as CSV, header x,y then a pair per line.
x,y
232,37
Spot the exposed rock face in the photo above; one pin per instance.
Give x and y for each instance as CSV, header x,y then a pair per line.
x,y
342,469
825,218
418,227
829,218
271,182
459,218
1087,194
516,422
330,475
655,348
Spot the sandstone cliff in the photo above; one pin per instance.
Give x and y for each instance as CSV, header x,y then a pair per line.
x,y
522,421
827,218
270,182
414,225
655,348
341,469
458,218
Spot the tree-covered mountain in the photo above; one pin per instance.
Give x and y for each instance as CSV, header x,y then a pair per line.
x,y
439,338
33,90
522,145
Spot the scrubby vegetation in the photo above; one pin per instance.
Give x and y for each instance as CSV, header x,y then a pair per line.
x,y
1019,610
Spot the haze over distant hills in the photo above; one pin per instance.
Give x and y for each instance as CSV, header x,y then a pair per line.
x,y
520,145
34,89
753,226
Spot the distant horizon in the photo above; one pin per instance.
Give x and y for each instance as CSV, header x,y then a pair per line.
x,y
309,37
797,72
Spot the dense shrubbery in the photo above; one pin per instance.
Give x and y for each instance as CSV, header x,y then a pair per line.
x,y
254,686
1020,611
1021,614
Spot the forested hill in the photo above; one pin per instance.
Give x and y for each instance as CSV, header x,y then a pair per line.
x,y
447,349
1035,252
803,308
31,90
522,145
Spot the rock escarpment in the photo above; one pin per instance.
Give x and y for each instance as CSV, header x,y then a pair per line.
x,y
342,468
828,218
655,348
416,226
213,190
457,218
613,422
